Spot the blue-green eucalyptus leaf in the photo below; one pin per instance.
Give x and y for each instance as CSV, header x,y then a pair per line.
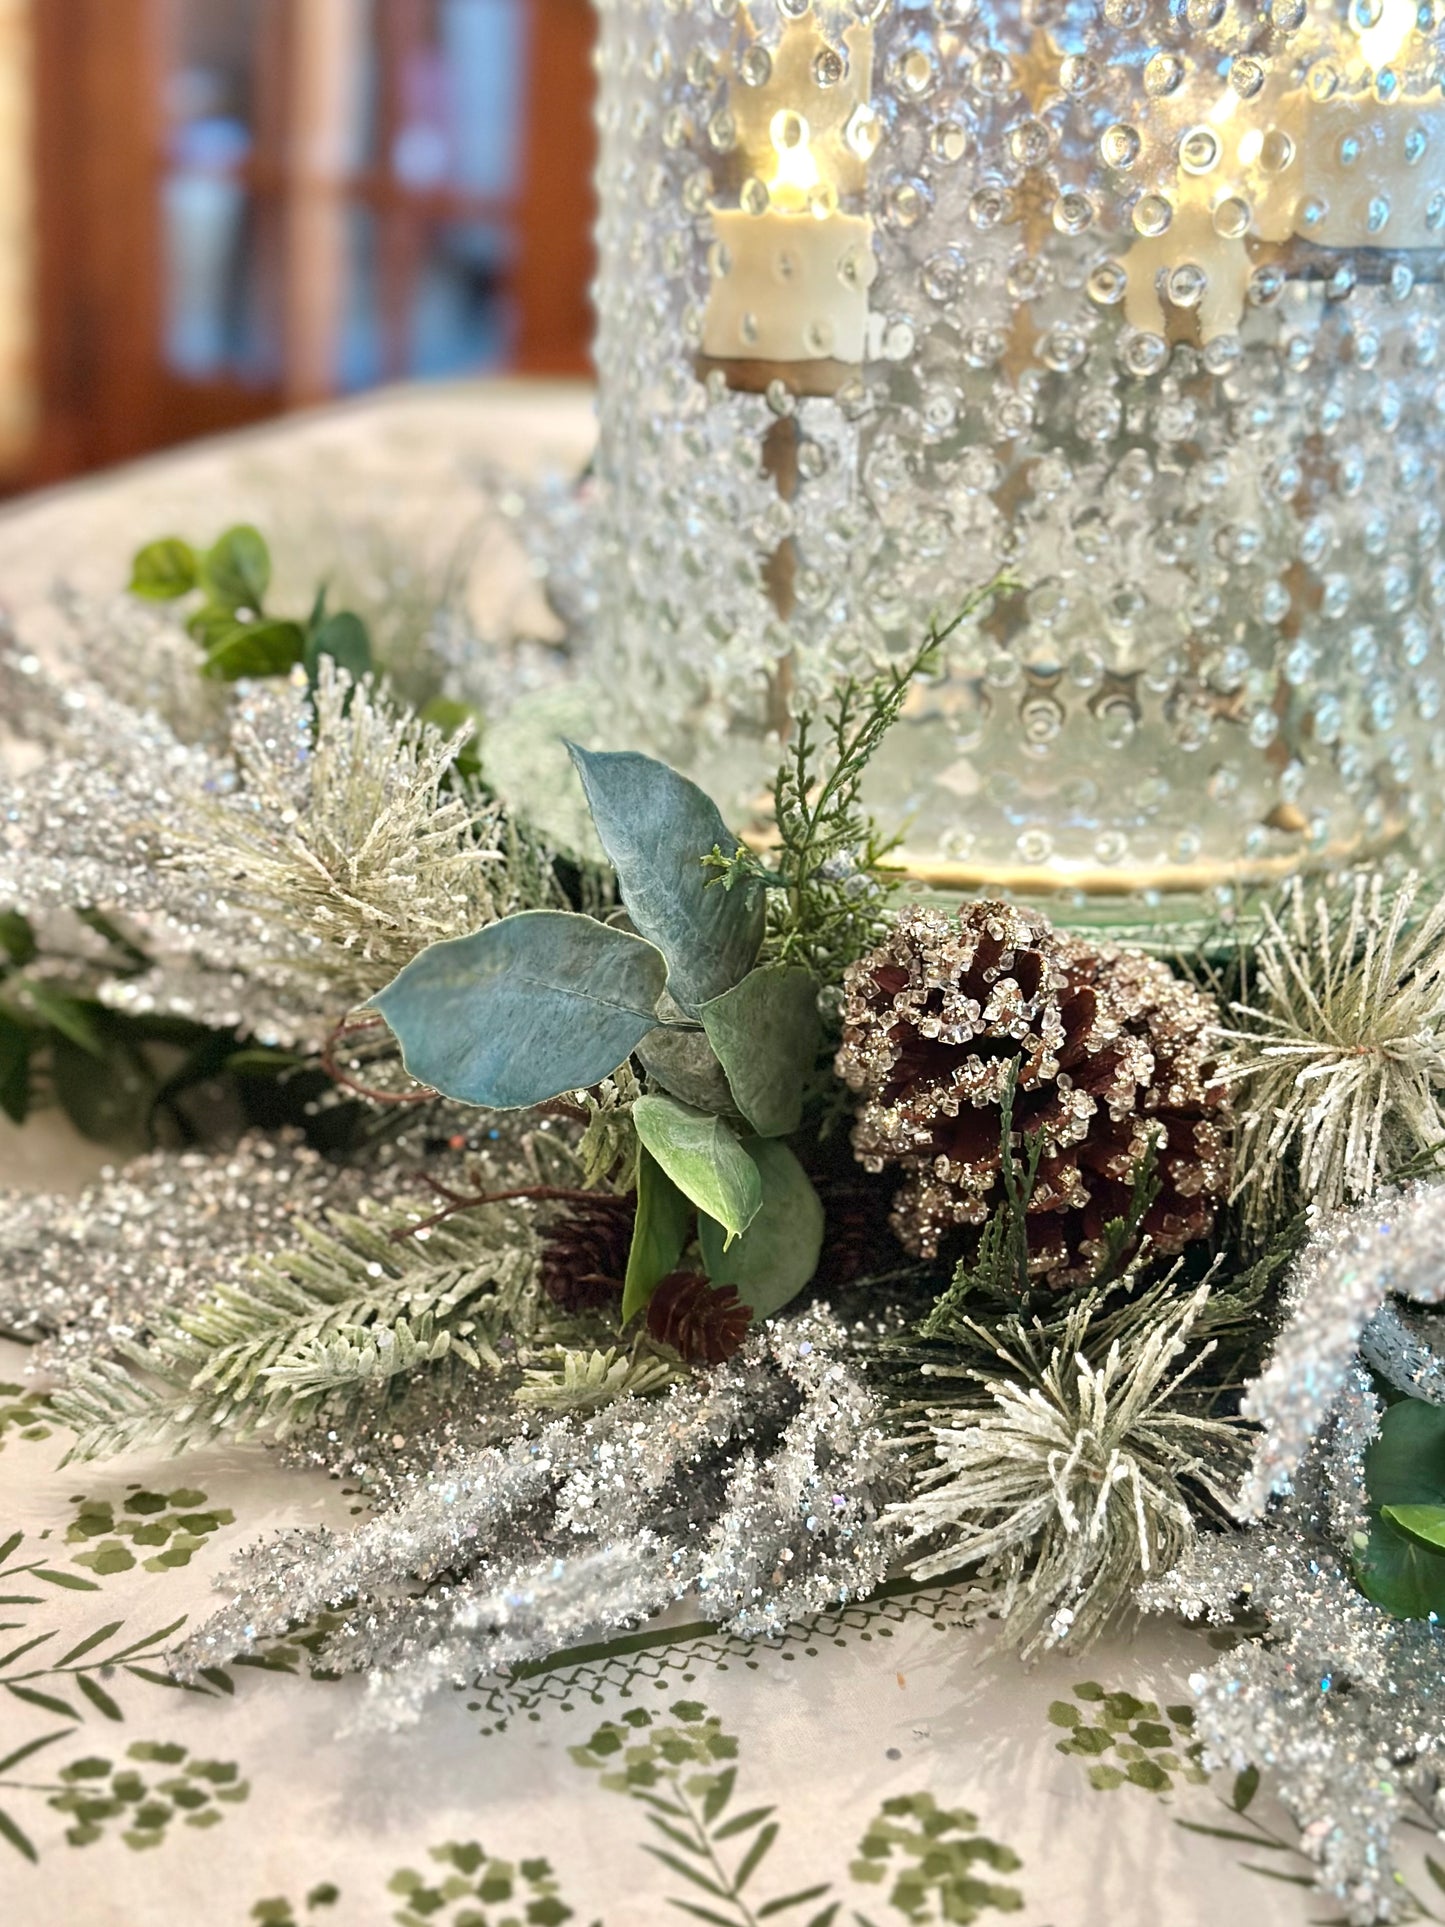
x,y
702,1156
657,828
658,1237
778,1253
765,1033
540,1003
684,1063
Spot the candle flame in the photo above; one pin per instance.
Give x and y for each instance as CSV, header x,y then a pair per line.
x,y
797,181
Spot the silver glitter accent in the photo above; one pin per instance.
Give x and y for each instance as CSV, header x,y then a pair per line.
x,y
760,1488
87,1271
1405,1348
1339,1701
1352,1263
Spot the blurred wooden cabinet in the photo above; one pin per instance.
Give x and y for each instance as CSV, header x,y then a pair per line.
x,y
247,205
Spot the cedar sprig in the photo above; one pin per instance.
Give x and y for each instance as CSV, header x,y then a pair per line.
x,y
830,880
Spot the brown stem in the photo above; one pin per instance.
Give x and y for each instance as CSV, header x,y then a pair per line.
x,y
460,1201
345,1028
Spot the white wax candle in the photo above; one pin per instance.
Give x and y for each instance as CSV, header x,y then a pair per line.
x,y
789,286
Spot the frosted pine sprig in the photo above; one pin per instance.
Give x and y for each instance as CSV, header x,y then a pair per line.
x,y
1338,1056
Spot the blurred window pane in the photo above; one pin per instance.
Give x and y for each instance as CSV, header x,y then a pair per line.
x,y
460,99
412,130
212,93
461,317
214,319
360,354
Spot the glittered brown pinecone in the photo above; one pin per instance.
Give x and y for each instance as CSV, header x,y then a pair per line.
x,y
704,1323
1108,1046
584,1253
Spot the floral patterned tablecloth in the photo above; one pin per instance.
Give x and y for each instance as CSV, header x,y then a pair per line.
x,y
879,1766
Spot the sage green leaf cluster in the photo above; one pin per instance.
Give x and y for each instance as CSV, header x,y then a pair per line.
x,y
546,1003
230,621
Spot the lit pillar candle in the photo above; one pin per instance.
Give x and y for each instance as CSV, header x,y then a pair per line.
x,y
790,270
1344,155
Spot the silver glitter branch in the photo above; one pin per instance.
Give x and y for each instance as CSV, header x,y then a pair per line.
x,y
1074,1484
1354,1262
1338,1698
1340,1702
83,1273
1338,1060
761,1488
348,1307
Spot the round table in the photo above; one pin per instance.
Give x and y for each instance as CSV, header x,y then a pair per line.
x,y
879,1765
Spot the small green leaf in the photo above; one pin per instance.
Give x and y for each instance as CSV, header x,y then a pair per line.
x,y
541,1003
1423,1522
658,829
108,1099
255,649
71,1581
12,1760
658,1236
68,1015
47,1702
237,569
211,623
98,1697
720,1792
778,1253
1246,1785
91,1641
766,1031
17,939
14,1069
165,570
20,1841
754,1855
702,1156
1405,1470
685,1064
344,638
260,1062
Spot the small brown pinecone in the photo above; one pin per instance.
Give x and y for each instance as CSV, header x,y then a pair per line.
x,y
704,1323
584,1253
1109,1048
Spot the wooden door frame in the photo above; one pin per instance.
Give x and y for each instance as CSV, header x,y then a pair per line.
x,y
99,133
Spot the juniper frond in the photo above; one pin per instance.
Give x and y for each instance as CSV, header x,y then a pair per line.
x,y
829,882
1082,1473
314,1328
1338,1060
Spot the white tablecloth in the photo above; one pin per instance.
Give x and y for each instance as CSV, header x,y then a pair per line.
x,y
893,1768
